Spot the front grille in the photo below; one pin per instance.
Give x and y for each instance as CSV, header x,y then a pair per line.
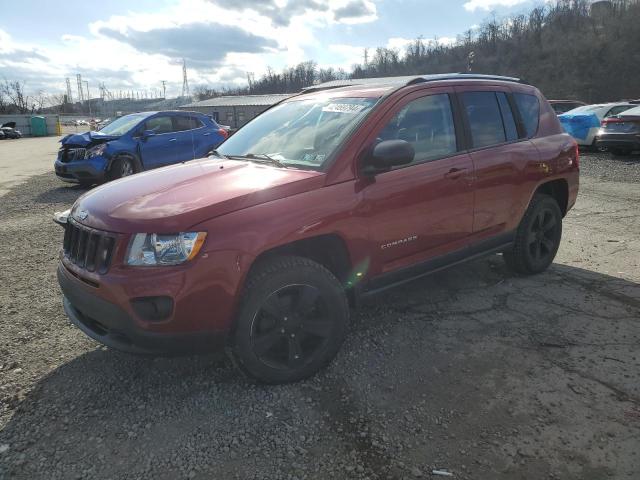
x,y
70,154
88,248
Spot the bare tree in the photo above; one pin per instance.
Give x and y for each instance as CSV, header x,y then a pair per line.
x,y
14,91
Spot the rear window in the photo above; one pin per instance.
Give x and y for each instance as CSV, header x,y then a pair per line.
x,y
529,108
485,120
182,123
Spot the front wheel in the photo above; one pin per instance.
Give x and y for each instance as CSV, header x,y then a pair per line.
x,y
292,320
537,237
121,167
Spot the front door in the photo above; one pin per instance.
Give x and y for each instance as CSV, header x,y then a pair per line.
x,y
424,209
162,148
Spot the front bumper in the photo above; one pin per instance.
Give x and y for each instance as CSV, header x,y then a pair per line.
x,y
114,326
86,170
627,141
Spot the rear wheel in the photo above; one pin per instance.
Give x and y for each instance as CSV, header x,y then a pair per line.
x,y
537,238
292,320
121,167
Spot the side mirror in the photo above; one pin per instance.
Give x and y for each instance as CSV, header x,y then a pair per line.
x,y
388,154
146,134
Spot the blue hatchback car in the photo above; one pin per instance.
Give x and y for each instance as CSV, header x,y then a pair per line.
x,y
134,143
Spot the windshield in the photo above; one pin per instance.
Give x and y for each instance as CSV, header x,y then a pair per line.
x,y
122,125
301,133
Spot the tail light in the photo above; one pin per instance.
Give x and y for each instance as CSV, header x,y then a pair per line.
x,y
224,133
609,120
576,155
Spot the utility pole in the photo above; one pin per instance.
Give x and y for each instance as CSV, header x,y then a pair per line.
x,y
80,89
164,88
69,98
366,57
88,96
185,81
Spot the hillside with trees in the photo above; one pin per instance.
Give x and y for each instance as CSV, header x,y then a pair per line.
x,y
569,49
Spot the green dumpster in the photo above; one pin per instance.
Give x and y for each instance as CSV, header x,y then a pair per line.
x,y
38,126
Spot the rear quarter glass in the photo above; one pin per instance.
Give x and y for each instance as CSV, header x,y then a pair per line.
x,y
529,108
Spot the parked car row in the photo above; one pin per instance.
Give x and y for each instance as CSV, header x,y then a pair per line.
x,y
606,126
8,131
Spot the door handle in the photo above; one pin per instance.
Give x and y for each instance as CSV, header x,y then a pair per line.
x,y
206,134
455,173
173,139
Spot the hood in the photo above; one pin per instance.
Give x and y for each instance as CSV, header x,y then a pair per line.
x,y
84,139
9,124
175,198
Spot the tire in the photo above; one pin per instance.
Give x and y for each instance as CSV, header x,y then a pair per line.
x,y
292,320
121,167
537,237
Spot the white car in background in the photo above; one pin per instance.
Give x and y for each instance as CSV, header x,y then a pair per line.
x,y
583,123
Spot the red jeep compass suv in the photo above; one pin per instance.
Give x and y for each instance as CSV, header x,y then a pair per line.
x,y
327,197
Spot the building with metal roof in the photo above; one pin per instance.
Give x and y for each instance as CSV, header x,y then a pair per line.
x,y
235,110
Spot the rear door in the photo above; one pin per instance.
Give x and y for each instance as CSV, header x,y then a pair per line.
x,y
424,209
189,138
500,151
162,148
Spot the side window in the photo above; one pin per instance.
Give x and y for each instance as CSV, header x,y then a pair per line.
x,y
195,122
529,108
617,110
181,123
426,123
510,129
485,119
159,125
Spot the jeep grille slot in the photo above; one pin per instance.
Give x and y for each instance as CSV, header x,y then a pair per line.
x,y
88,248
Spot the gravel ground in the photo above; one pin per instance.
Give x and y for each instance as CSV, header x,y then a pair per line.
x,y
612,168
473,370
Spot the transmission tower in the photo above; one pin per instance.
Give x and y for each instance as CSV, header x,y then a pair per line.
x,y
69,98
164,88
185,81
80,90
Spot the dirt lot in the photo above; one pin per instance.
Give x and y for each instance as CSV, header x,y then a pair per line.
x,y
474,370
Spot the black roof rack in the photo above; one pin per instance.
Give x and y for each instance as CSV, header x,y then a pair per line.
x,y
405,80
463,76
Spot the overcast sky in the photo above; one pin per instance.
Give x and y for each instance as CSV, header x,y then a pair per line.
x,y
135,45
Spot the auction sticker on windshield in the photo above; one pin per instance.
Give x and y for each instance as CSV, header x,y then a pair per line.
x,y
343,108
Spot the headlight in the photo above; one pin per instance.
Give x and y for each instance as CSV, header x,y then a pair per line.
x,y
96,151
164,249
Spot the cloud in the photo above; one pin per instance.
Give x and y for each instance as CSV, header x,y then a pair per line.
x,y
19,55
355,9
191,41
473,5
280,15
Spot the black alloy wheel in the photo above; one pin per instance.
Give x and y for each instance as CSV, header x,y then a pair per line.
x,y
292,320
537,237
543,236
291,327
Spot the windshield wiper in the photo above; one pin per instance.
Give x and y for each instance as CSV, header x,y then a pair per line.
x,y
216,153
262,158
